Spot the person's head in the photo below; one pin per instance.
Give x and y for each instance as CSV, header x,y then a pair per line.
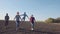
x,y
17,13
24,12
6,14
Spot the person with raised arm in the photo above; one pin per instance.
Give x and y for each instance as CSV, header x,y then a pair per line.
x,y
24,16
18,18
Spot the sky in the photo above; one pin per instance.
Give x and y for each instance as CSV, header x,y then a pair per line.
x,y
41,9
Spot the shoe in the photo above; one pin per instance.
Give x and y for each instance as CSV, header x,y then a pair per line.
x,y
32,29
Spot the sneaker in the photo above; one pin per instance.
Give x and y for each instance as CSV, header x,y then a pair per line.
x,y
32,29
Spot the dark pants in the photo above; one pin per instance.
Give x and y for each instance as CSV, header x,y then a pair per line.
x,y
32,24
23,18
6,23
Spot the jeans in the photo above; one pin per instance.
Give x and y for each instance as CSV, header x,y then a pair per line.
x,y
6,23
32,24
17,24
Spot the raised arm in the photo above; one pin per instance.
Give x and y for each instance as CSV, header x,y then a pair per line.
x,y
22,15
27,17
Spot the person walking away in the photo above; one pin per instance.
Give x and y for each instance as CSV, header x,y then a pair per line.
x,y
6,20
17,17
32,20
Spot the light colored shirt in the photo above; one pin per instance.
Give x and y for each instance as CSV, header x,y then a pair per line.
x,y
17,17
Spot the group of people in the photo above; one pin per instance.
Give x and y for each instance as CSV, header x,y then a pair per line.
x,y
18,18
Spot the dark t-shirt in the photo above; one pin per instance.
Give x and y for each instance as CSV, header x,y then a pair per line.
x,y
6,18
32,19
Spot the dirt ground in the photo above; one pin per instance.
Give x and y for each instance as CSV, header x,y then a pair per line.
x,y
25,28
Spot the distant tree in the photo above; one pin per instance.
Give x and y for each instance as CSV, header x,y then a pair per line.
x,y
52,20
49,20
57,20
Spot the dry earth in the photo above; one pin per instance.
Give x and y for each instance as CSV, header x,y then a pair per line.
x,y
39,28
